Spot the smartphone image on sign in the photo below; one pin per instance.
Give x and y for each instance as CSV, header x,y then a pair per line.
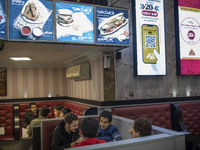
x,y
149,43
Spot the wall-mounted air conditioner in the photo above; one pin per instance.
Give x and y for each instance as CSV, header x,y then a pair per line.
x,y
80,72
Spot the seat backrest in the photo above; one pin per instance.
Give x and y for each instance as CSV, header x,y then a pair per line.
x,y
159,115
78,109
191,116
7,121
47,127
36,139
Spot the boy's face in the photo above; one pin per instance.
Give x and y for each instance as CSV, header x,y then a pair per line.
x,y
104,123
56,113
133,133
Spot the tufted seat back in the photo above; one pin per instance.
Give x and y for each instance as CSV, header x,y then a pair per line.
x,y
76,108
191,116
6,121
159,115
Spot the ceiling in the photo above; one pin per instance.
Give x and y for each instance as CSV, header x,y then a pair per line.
x,y
50,54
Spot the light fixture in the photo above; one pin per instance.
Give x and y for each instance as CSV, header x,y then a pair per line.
x,y
20,58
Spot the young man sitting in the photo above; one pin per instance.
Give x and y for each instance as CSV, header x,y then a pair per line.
x,y
88,131
142,127
66,134
107,131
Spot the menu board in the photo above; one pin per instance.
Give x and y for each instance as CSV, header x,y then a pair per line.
x,y
74,23
112,26
31,20
189,36
2,19
150,37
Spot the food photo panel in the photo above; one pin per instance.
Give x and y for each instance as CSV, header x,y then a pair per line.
x,y
2,19
74,23
31,20
112,26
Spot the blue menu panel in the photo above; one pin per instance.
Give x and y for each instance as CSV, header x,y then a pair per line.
x,y
74,23
2,19
31,20
112,26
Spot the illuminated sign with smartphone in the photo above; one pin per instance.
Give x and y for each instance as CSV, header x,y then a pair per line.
x,y
188,29
150,37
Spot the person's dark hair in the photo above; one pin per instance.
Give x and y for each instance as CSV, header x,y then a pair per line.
x,y
31,104
69,117
44,111
58,107
106,114
143,126
89,127
66,110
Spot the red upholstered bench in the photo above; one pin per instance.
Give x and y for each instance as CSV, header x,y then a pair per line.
x,y
191,116
159,115
76,108
7,122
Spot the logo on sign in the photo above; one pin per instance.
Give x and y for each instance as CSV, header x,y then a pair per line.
x,y
191,35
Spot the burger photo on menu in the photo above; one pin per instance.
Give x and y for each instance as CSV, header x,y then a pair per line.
x,y
64,17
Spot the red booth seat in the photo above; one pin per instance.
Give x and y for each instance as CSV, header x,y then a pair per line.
x,y
78,109
191,116
159,115
6,122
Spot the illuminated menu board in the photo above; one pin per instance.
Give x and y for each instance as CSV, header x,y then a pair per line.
x,y
31,20
112,26
189,37
150,37
74,23
2,19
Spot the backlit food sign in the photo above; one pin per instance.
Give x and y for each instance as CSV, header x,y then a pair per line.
x,y
74,23
2,19
189,37
150,37
112,26
31,20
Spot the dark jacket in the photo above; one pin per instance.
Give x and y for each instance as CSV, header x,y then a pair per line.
x,y
61,139
27,118
110,134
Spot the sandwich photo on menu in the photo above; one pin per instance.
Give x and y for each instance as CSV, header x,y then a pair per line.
x,y
112,24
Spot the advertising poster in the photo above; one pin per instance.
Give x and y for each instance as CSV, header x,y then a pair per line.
x,y
3,82
150,37
112,26
2,19
31,20
74,23
189,36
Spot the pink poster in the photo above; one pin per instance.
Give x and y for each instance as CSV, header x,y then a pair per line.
x,y
189,35
189,3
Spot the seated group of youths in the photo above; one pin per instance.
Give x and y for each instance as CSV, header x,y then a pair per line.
x,y
67,133
34,116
